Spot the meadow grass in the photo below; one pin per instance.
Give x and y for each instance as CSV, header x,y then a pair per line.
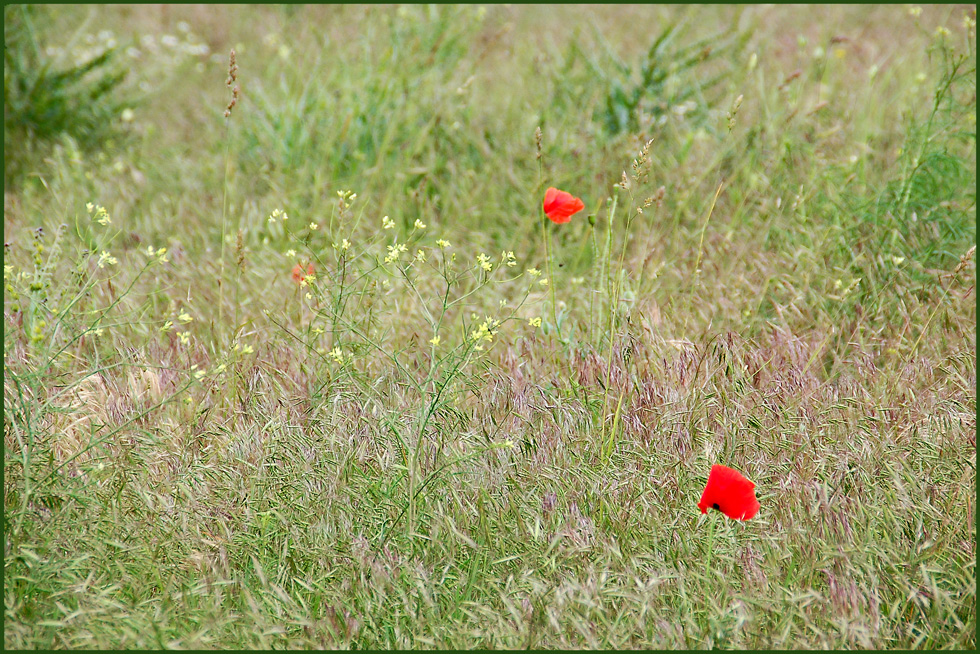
x,y
775,271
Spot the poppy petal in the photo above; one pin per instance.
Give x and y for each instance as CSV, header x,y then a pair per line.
x,y
299,274
549,198
730,492
560,206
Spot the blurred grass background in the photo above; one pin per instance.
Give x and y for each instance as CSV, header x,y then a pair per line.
x,y
814,327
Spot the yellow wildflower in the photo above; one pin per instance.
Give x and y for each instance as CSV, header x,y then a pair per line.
x,y
484,262
106,259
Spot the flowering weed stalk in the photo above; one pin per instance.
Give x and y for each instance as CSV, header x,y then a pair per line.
x,y
69,322
231,83
341,335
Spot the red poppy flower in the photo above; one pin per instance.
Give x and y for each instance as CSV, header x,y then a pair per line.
x,y
729,492
559,206
299,274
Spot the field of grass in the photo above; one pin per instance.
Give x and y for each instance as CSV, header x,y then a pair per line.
x,y
471,427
